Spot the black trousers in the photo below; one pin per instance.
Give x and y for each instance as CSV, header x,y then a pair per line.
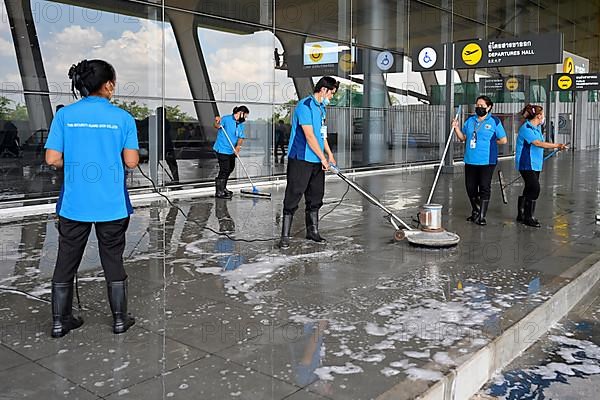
x,y
304,178
73,236
532,184
226,165
478,180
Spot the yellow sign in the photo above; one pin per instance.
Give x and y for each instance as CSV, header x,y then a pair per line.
x,y
569,65
346,62
471,54
512,84
565,82
316,52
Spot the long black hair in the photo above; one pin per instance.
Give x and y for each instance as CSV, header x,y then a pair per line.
x,y
88,76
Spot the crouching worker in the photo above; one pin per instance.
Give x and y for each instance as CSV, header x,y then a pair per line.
x,y
230,137
93,140
307,162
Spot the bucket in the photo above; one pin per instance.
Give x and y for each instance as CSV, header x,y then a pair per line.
x,y
430,216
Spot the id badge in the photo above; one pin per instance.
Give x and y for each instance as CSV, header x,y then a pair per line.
x,y
473,144
324,131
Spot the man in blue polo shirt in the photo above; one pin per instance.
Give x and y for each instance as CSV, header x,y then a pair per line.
x,y
230,133
307,162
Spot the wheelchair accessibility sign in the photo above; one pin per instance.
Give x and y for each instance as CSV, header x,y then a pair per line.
x,y
385,60
427,57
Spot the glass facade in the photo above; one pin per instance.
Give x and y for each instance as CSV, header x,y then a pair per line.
x,y
179,63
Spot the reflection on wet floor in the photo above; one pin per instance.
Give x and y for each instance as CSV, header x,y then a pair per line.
x,y
220,318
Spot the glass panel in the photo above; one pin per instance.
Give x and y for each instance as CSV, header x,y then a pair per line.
x,y
126,34
241,66
189,155
10,77
328,19
464,29
475,11
501,15
250,11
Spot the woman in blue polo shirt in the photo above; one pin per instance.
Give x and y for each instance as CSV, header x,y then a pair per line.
x,y
482,133
93,141
232,126
529,160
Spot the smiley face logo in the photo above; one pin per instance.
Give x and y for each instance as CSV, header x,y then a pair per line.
x,y
565,82
316,53
471,54
512,84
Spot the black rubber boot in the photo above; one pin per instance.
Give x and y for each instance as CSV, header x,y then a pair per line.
x,y
286,228
226,223
62,310
229,192
474,209
528,215
482,212
312,227
117,297
220,192
520,208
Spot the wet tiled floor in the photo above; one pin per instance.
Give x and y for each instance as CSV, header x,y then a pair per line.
x,y
564,364
220,319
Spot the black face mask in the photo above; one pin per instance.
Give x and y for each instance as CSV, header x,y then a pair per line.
x,y
480,111
241,120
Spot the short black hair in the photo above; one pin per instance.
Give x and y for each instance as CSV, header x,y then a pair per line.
x,y
487,100
89,76
242,108
326,82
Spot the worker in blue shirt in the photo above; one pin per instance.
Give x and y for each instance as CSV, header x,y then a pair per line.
x,y
93,141
307,162
482,133
529,159
232,126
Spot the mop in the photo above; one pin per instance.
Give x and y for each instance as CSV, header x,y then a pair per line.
x,y
501,177
254,191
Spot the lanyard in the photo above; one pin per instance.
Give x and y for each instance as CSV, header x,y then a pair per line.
x,y
477,130
321,111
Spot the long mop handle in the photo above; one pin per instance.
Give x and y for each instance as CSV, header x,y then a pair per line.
x,y
437,175
237,155
552,154
368,195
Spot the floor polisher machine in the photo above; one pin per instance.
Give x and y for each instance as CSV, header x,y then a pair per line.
x,y
431,234
430,214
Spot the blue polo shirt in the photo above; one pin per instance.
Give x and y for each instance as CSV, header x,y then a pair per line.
x,y
92,134
529,157
308,112
488,131
234,131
